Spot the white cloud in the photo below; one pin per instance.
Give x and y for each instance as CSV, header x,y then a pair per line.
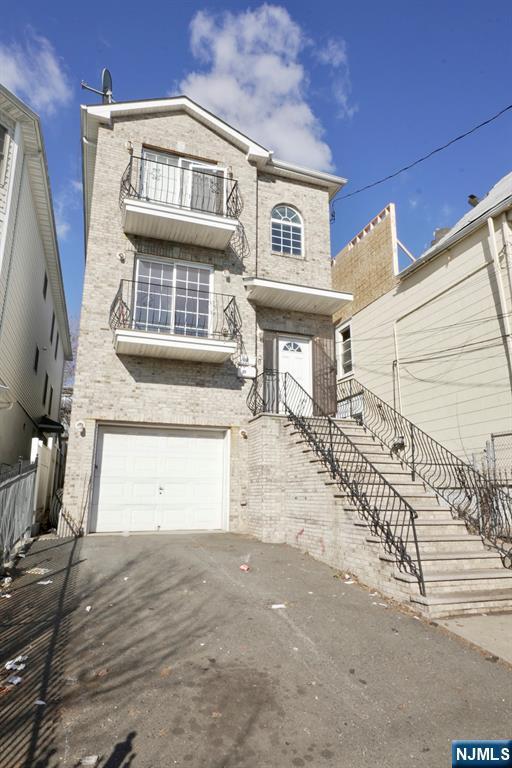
x,y
252,76
66,202
34,72
334,55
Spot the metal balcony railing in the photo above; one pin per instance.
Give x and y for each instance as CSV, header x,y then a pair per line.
x,y
387,514
175,310
480,502
181,187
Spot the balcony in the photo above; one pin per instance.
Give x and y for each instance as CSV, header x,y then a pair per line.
x,y
188,203
152,319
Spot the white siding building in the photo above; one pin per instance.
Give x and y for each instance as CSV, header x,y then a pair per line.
x,y
434,340
34,332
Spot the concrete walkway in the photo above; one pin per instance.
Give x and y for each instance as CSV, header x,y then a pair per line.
x,y
157,651
490,632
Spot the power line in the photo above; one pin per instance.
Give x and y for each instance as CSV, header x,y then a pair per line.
x,y
422,159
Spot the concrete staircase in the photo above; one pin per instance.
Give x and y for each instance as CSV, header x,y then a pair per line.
x,y
462,575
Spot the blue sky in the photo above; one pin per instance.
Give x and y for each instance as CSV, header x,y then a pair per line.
x,y
359,88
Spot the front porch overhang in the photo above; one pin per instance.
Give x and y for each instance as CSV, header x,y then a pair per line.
x,y
167,346
294,298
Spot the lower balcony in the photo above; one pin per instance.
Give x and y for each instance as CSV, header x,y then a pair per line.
x,y
149,319
294,298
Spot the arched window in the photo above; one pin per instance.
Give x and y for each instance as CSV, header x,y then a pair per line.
x,y
286,230
292,346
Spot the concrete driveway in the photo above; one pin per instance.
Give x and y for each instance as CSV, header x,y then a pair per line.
x,y
182,660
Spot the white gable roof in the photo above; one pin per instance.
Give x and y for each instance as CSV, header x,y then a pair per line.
x,y
94,115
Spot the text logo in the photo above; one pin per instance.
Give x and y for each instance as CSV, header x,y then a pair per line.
x,y
482,754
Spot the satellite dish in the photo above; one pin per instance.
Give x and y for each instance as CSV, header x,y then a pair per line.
x,y
106,86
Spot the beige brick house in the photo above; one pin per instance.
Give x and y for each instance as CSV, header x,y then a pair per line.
x,y
207,260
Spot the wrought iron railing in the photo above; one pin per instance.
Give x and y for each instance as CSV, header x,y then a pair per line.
x,y
481,503
190,188
174,310
387,514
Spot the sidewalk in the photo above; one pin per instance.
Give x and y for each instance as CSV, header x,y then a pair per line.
x,y
492,633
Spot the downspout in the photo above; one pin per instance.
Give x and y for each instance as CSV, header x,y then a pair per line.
x,y
501,292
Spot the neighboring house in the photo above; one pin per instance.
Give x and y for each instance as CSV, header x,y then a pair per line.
x,y
434,340
34,333
208,261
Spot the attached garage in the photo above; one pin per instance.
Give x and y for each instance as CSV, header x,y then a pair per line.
x,y
159,480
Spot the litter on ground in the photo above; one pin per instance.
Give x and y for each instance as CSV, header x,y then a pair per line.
x,y
278,605
5,594
88,608
16,664
44,582
244,567
40,703
37,571
14,680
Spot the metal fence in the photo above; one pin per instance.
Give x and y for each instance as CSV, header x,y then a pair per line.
x,y
17,486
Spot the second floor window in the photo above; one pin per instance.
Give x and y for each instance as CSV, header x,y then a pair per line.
x,y
52,328
45,388
173,298
45,285
286,231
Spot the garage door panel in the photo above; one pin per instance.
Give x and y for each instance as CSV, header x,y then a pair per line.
x,y
158,480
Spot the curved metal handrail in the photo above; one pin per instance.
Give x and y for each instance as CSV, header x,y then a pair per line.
x,y
386,512
482,504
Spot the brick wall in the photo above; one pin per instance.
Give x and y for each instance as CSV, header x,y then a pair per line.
x,y
289,502
364,267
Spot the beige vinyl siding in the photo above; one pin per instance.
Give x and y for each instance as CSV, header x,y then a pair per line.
x,y
26,316
453,373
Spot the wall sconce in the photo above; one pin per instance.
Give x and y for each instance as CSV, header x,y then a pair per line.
x,y
121,256
80,428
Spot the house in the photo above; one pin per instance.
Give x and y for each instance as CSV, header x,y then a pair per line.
x,y
434,339
208,261
34,333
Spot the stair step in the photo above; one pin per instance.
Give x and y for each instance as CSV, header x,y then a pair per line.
x,y
459,603
478,596
469,580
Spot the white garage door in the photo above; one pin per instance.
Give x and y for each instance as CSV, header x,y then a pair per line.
x,y
157,479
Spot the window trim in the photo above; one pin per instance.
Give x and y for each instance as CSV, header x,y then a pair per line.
x,y
301,255
4,153
338,330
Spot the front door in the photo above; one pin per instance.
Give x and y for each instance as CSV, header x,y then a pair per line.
x,y
294,355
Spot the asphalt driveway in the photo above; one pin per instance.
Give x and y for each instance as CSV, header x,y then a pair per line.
x,y
156,651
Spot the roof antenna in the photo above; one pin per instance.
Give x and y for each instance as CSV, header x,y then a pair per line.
x,y
106,87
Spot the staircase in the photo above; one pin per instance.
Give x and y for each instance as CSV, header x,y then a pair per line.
x,y
418,534
461,573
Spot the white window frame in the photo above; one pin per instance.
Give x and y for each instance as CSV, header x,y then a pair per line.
x,y
280,221
174,263
5,153
339,350
183,163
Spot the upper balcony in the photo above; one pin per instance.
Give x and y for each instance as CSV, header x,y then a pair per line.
x,y
171,198
174,321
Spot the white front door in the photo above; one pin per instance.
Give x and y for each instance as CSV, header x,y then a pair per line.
x,y
149,479
295,358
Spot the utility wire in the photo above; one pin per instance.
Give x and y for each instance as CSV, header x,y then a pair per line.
x,y
422,159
